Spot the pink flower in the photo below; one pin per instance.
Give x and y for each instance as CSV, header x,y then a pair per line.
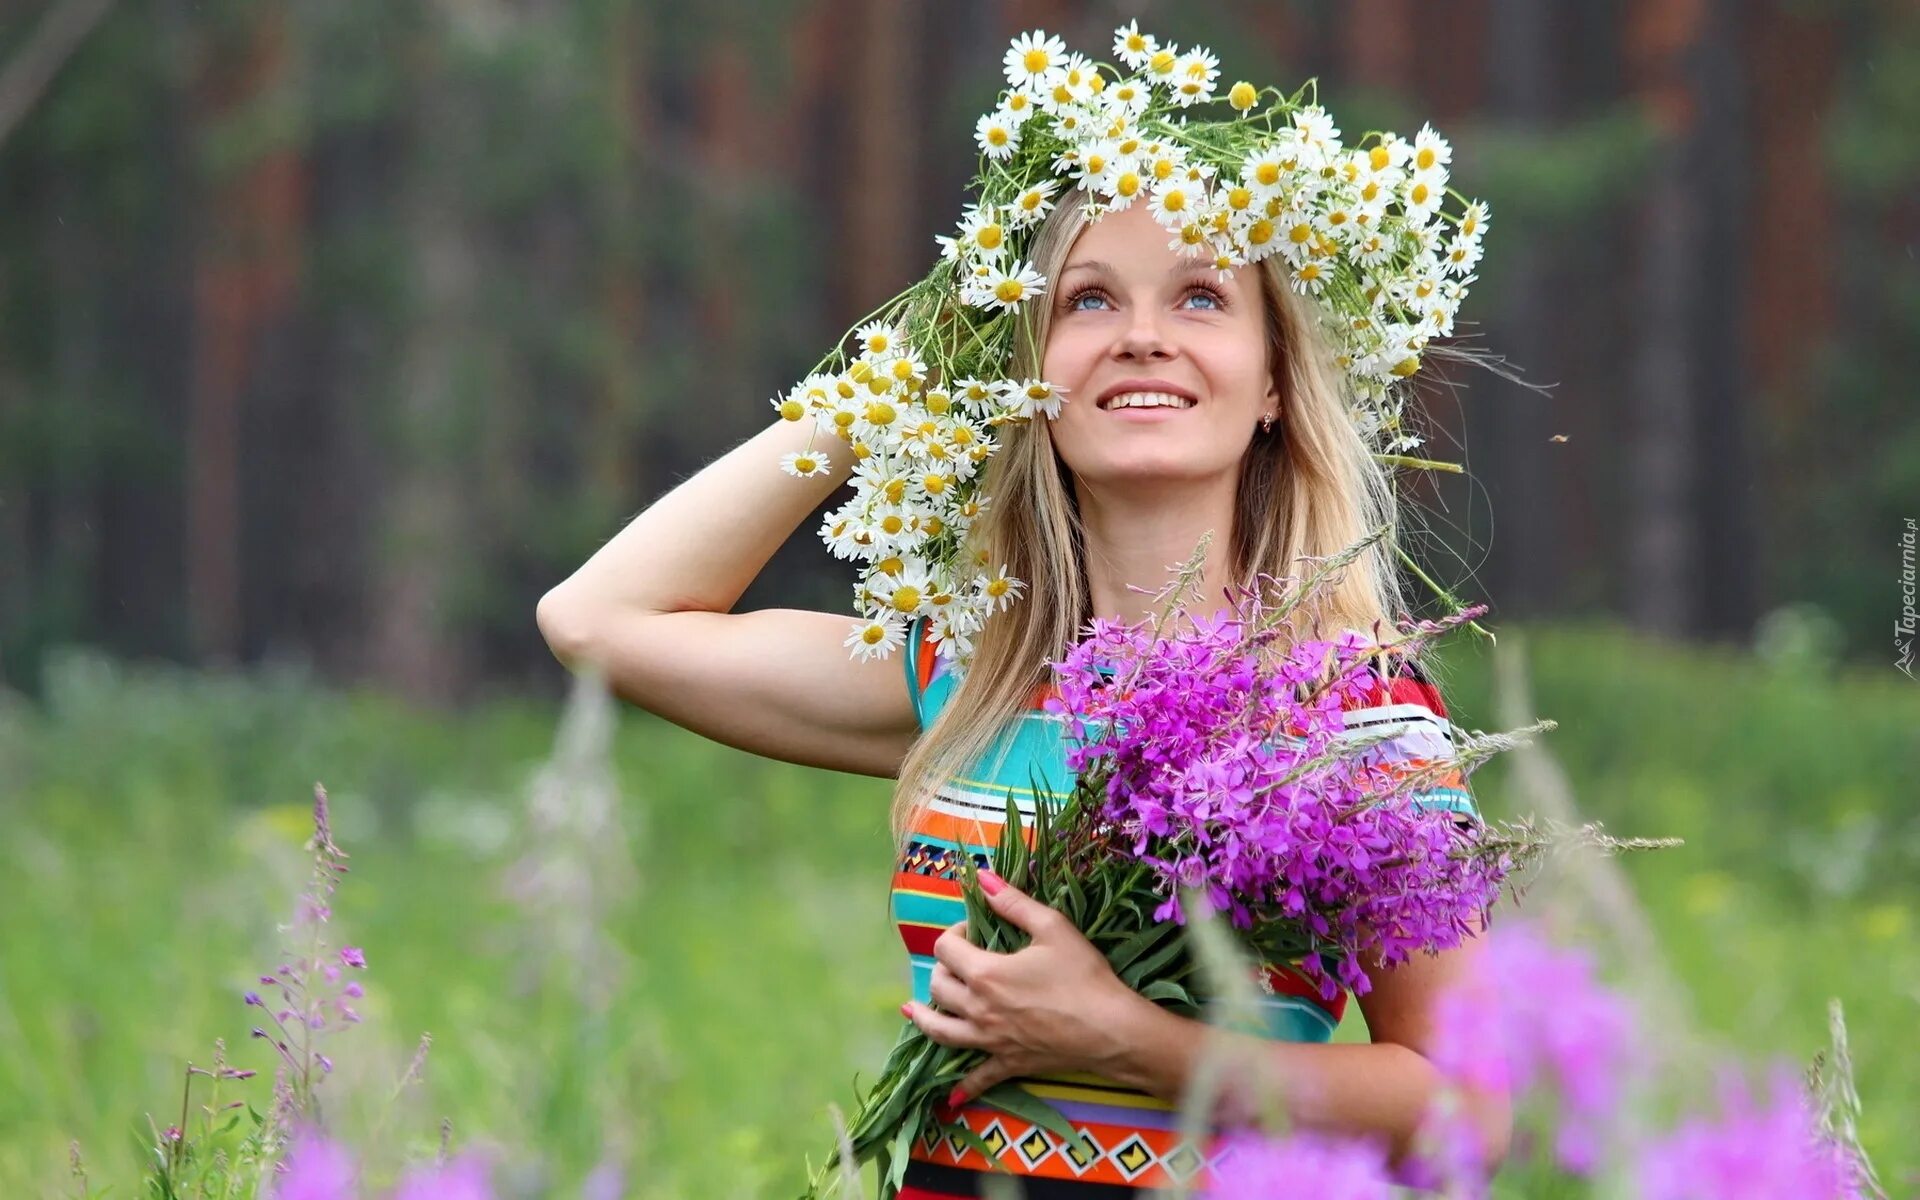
x,y
315,1169
1538,1019
1256,1167
462,1178
1750,1152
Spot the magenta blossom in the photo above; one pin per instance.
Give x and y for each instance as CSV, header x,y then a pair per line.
x,y
1228,772
1750,1152
1255,1167
462,1178
1538,1018
315,1168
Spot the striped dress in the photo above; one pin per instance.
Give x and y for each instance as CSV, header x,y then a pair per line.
x,y
1133,1130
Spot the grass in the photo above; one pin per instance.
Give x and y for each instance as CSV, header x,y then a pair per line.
x,y
153,822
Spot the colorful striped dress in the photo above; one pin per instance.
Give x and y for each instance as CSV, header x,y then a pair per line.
x,y
1133,1130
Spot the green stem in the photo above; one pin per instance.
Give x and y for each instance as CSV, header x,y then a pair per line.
x,y
1446,596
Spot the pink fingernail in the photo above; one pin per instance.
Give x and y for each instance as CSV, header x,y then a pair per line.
x,y
906,1010
991,883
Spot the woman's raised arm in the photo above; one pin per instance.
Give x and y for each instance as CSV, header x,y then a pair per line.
x,y
652,608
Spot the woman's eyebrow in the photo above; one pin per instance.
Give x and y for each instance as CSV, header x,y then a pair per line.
x,y
1179,268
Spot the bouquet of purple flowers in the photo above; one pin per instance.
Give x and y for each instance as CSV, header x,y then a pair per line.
x,y
1215,758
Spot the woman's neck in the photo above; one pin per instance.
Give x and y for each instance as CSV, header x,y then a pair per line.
x,y
1142,536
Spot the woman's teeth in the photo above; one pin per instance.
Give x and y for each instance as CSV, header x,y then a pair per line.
x,y
1148,400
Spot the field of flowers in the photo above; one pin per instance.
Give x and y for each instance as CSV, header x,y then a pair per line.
x,y
649,973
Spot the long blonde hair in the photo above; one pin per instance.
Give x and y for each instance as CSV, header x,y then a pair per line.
x,y
1309,488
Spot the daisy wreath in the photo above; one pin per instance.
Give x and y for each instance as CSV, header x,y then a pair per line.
x,y
1361,229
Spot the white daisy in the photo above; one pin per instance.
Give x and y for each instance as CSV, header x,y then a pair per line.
x,y
805,464
1430,150
1159,66
984,232
877,638
1463,253
1031,206
1175,204
876,418
1007,288
1132,47
998,590
1310,277
1424,192
998,134
845,532
1071,83
893,526
1193,77
906,593
1316,127
1037,396
1032,59
1473,222
1018,105
953,628
1128,98
1092,164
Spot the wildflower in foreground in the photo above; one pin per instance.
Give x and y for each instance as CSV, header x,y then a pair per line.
x,y
462,1178
1750,1152
1538,1018
315,1168
1301,1164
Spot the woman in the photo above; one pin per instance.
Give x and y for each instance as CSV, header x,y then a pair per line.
x,y
1232,420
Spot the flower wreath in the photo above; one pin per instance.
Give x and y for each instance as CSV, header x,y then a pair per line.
x,y
1361,229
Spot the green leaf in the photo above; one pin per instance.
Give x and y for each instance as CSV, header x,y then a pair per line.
x,y
1123,955
1153,962
1167,989
897,1155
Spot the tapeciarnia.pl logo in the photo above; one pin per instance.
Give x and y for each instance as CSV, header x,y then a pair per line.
x,y
1903,628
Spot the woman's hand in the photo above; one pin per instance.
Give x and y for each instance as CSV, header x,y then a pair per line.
x,y
1052,1005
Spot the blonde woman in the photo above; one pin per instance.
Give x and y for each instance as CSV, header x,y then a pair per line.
x,y
1193,404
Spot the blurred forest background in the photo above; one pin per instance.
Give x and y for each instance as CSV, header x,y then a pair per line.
x,y
336,333
333,334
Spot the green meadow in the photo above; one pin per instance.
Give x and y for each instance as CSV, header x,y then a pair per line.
x,y
685,982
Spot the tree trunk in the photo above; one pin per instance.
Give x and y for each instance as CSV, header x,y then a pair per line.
x,y
1662,39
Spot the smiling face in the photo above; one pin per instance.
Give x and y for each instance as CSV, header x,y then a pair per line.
x,y
1126,307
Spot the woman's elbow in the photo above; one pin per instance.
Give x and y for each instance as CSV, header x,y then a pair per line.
x,y
566,627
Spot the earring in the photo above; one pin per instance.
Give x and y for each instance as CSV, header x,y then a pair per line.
x,y
1266,423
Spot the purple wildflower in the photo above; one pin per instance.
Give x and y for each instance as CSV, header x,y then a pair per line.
x,y
1292,828
315,1168
1254,1167
1751,1152
1537,1017
463,1178
309,980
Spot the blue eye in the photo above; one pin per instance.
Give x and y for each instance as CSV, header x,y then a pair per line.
x,y
1211,293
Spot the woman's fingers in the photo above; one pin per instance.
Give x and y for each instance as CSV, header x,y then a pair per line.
x,y
947,1030
949,992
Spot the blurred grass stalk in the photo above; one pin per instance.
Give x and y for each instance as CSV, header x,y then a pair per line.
x,y
575,872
